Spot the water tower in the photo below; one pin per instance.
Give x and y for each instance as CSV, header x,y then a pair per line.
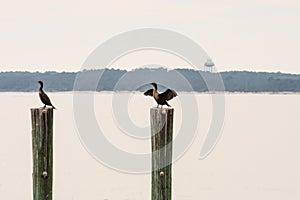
x,y
209,65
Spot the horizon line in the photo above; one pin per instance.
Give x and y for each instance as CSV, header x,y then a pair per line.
x,y
133,69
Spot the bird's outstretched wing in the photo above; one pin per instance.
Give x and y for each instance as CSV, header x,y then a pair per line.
x,y
149,92
168,94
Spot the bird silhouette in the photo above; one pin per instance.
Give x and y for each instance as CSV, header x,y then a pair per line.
x,y
161,98
44,97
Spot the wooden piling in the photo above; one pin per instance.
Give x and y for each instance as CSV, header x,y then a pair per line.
x,y
42,151
161,142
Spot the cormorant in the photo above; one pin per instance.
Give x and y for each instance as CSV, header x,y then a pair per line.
x,y
43,96
162,98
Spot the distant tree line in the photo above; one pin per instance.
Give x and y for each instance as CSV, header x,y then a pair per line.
x,y
122,80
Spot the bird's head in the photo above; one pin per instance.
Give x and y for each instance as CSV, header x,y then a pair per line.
x,y
154,85
40,82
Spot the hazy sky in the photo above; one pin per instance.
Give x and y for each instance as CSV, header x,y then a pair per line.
x,y
256,35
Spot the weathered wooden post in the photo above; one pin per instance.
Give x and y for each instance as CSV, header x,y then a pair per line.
x,y
42,151
161,142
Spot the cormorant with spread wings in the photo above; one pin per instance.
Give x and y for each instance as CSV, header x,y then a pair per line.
x,y
161,98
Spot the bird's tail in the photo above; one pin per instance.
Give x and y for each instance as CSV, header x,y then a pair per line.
x,y
53,107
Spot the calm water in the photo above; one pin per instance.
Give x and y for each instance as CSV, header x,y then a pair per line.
x,y
257,156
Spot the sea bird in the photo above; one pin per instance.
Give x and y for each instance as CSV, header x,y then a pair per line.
x,y
44,97
162,98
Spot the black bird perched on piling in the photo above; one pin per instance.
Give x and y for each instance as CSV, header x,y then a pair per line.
x,y
43,96
162,98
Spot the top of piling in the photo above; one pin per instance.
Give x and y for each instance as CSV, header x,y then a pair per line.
x,y
42,109
166,108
